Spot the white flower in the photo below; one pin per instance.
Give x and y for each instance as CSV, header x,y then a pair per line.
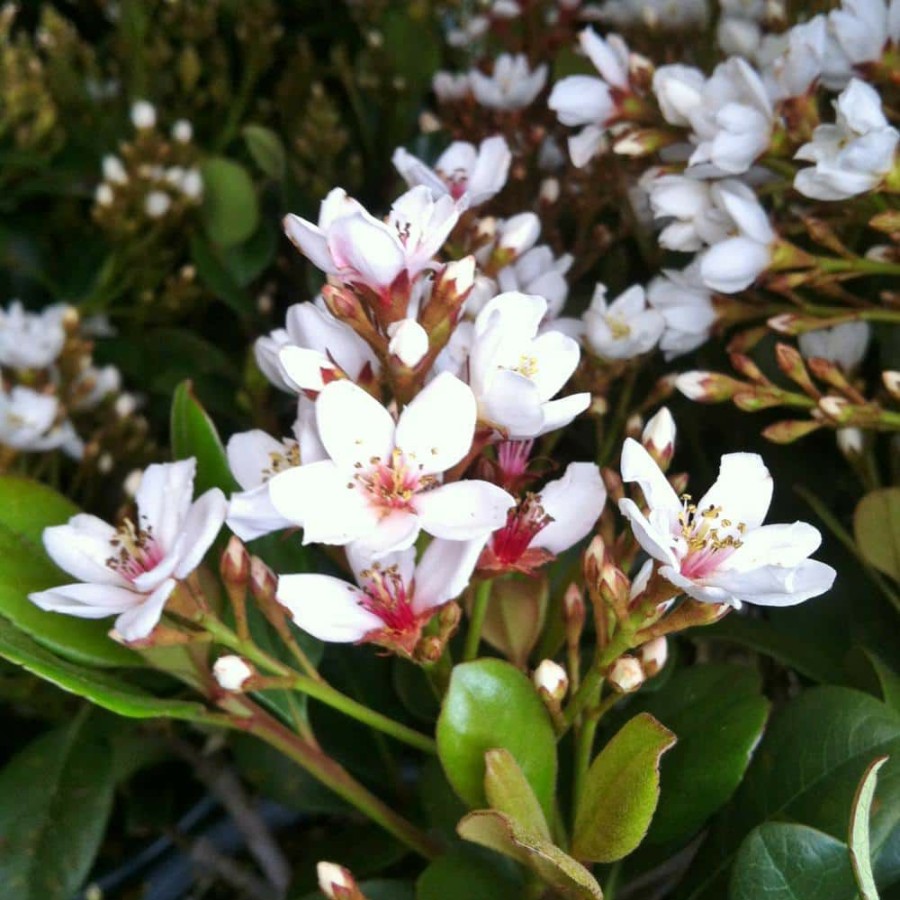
x,y
853,155
114,170
313,347
733,123
861,28
395,597
408,342
845,344
451,86
182,131
517,234
94,385
538,271
131,571
28,421
143,114
104,195
231,672
512,85
192,184
357,248
674,14
624,328
380,484
679,91
687,205
157,204
583,100
515,372
31,340
718,550
461,169
736,36
796,69
686,306
546,523
734,263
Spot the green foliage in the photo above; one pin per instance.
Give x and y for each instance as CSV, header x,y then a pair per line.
x,y
55,799
621,791
489,705
267,150
876,526
463,873
859,839
230,206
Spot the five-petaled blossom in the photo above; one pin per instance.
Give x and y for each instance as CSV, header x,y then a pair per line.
x,y
717,550
546,523
625,328
381,482
130,571
396,597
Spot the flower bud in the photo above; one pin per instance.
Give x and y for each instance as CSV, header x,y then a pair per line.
x,y
114,170
549,192
409,342
850,441
625,675
707,387
157,204
653,655
573,610
104,195
337,883
550,677
658,438
519,233
182,131
891,380
263,582
231,672
837,409
143,114
235,563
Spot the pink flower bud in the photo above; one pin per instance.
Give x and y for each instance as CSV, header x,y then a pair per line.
x,y
625,675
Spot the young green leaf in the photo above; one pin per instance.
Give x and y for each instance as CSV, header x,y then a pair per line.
x,y
621,791
509,792
859,839
876,527
230,209
267,150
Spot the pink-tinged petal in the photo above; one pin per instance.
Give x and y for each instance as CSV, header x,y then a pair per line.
x,y
317,329
489,173
777,585
653,541
558,413
704,592
413,171
336,205
778,545
310,241
396,531
204,521
743,489
444,571
575,502
353,425
463,510
435,430
251,514
302,368
82,548
637,465
327,608
250,456
512,403
362,245
163,499
137,622
86,601
320,499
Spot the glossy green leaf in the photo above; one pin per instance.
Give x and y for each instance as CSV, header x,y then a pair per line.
x,y
218,278
491,704
781,861
26,508
55,799
230,209
621,791
509,792
807,770
194,434
876,527
859,838
111,693
267,150
718,713
465,874
497,831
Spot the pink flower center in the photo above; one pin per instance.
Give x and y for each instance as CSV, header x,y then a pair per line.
x,y
457,182
387,596
523,523
709,539
512,458
135,551
392,483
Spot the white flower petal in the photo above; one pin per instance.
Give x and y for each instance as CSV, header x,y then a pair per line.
x,y
575,502
463,510
252,515
250,455
353,425
137,622
86,601
444,571
82,548
164,498
637,465
396,531
327,608
654,541
201,526
743,489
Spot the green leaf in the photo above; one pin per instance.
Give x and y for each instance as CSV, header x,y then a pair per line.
x,y
621,791
462,873
806,770
509,792
498,832
859,839
247,261
194,434
55,800
26,508
111,693
491,704
267,150
780,861
718,713
876,527
230,209
218,278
